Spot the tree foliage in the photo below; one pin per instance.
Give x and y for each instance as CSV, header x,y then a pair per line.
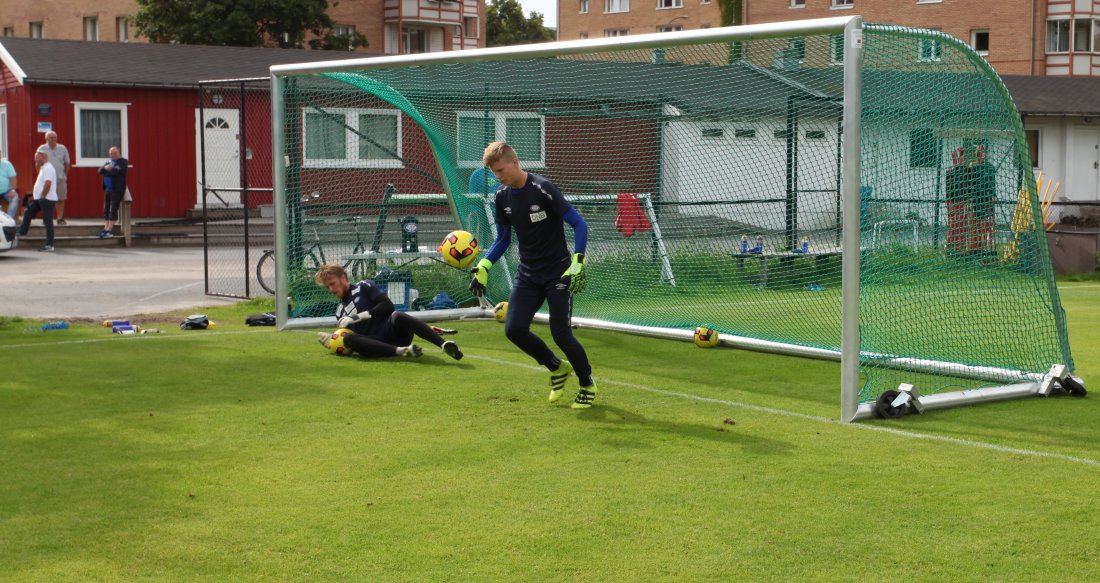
x,y
507,26
242,23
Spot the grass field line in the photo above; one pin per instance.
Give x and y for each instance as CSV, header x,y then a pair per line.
x,y
819,419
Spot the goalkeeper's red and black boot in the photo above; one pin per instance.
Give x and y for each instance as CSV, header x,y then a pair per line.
x,y
558,378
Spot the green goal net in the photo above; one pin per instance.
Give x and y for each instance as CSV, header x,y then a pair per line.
x,y
714,173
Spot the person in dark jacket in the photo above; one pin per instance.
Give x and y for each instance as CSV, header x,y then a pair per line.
x,y
114,188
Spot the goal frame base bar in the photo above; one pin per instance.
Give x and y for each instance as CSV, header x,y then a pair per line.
x,y
1029,386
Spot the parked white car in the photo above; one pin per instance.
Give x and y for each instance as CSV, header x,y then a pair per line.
x,y
8,239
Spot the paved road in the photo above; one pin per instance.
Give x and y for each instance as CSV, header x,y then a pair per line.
x,y
101,283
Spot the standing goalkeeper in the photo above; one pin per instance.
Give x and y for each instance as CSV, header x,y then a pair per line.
x,y
536,209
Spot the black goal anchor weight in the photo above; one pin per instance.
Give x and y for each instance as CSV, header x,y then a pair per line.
x,y
1059,378
894,404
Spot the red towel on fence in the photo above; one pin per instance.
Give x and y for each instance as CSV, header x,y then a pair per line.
x,y
631,218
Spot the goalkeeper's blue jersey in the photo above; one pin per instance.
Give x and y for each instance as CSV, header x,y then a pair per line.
x,y
536,214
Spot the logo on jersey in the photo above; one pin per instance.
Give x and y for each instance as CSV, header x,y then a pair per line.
x,y
536,217
507,210
534,208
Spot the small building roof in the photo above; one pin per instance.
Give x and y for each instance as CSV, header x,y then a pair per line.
x,y
1055,96
70,62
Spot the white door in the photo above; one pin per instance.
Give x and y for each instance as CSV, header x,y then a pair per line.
x,y
1085,164
221,133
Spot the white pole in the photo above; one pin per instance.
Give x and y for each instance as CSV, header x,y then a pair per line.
x,y
278,173
849,183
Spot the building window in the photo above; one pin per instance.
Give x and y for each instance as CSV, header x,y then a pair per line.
x,y
924,148
1058,36
584,7
796,48
471,26
979,39
815,134
798,3
929,50
843,3
1033,146
91,28
836,49
670,28
615,32
524,131
352,138
9,31
616,6
98,127
345,32
584,35
712,133
704,1
663,4
1082,35
36,32
744,133
122,29
415,40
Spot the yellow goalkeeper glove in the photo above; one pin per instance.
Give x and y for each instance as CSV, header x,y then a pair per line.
x,y
576,274
481,277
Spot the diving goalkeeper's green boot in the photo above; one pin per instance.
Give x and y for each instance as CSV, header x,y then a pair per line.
x,y
557,380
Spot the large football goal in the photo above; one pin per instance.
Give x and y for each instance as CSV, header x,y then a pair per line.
x,y
821,188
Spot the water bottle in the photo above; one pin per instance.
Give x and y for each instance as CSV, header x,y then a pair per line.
x,y
744,244
150,331
759,244
58,325
805,245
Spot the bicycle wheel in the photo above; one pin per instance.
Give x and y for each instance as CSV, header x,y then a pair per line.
x,y
265,271
357,268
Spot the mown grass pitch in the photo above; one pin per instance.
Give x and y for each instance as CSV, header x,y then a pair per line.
x,y
238,454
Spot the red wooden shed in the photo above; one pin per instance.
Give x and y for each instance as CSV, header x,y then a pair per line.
x,y
141,97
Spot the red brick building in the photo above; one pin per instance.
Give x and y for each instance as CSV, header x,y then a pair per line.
x,y
1018,37
391,26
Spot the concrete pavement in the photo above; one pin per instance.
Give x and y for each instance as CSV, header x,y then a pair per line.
x,y
102,283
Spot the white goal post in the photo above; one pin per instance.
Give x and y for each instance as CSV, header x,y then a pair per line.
x,y
816,189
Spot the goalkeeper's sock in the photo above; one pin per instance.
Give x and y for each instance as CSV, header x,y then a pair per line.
x,y
451,348
557,379
324,338
585,397
412,351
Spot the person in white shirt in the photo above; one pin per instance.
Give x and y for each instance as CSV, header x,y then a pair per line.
x,y
45,198
58,156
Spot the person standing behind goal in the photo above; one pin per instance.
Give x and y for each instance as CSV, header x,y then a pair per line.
x,y
536,209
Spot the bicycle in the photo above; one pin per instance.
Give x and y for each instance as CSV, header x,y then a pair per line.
x,y
313,256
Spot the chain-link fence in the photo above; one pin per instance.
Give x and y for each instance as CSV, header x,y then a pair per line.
x,y
235,183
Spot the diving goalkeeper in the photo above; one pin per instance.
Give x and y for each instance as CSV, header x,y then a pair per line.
x,y
535,208
376,328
